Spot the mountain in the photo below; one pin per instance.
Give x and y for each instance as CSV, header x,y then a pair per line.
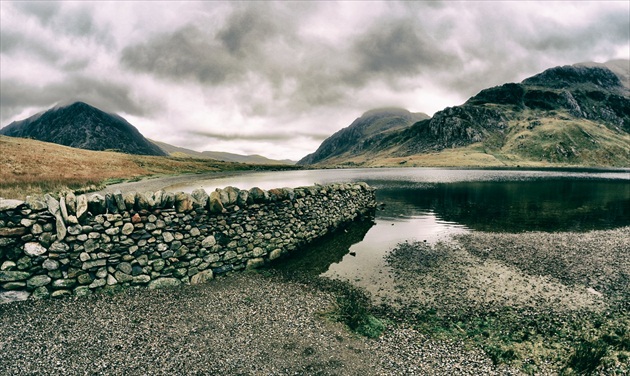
x,y
177,151
569,115
80,125
363,133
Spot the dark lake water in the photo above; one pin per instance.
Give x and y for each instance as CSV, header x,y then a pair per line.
x,y
432,204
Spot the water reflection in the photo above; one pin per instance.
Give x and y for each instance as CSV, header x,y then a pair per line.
x,y
515,206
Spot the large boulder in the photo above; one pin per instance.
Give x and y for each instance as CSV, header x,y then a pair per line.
x,y
183,202
214,203
200,198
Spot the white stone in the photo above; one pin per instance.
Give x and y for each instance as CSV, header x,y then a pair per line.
x,y
208,242
34,249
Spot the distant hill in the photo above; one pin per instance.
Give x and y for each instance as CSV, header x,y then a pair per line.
x,y
570,115
362,135
82,126
177,151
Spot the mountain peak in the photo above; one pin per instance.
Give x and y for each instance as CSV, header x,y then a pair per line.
x,y
571,75
83,126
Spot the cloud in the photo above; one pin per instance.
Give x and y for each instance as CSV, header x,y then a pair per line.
x,y
275,78
108,96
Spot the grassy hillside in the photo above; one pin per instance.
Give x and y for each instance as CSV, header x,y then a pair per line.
x,y
532,139
33,167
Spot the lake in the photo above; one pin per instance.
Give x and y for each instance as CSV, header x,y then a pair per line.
x,y
431,204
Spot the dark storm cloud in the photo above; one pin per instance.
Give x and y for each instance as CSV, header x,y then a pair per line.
x,y
43,10
188,53
106,95
399,48
12,41
246,29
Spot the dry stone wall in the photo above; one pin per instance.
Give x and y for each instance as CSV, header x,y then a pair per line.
x,y
75,245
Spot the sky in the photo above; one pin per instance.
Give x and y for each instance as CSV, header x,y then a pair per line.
x,y
277,78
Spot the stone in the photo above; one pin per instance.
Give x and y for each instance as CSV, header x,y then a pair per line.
x,y
258,195
61,227
36,229
72,220
63,209
158,265
38,281
110,204
60,293
119,200
97,283
122,277
214,203
125,267
82,207
112,231
200,198
183,202
164,282
71,203
255,263
94,264
130,200
40,293
208,242
82,291
35,203
257,252
96,204
58,247
136,218
276,253
13,285
84,279
27,222
141,279
90,245
74,230
64,283
242,198
101,273
34,249
50,264
168,237
201,277
13,296
111,280
13,231
229,255
143,260
7,265
12,276
52,204
158,199
127,229
6,205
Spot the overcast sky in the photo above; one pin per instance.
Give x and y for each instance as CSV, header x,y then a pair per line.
x,y
277,78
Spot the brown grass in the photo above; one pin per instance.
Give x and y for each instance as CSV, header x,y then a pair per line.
x,y
30,167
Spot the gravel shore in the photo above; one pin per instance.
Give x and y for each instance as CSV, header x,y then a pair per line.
x,y
241,324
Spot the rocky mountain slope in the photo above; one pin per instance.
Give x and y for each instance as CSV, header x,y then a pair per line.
x,y
570,115
80,125
363,134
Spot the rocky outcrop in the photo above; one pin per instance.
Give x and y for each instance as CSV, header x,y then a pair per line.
x,y
161,239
